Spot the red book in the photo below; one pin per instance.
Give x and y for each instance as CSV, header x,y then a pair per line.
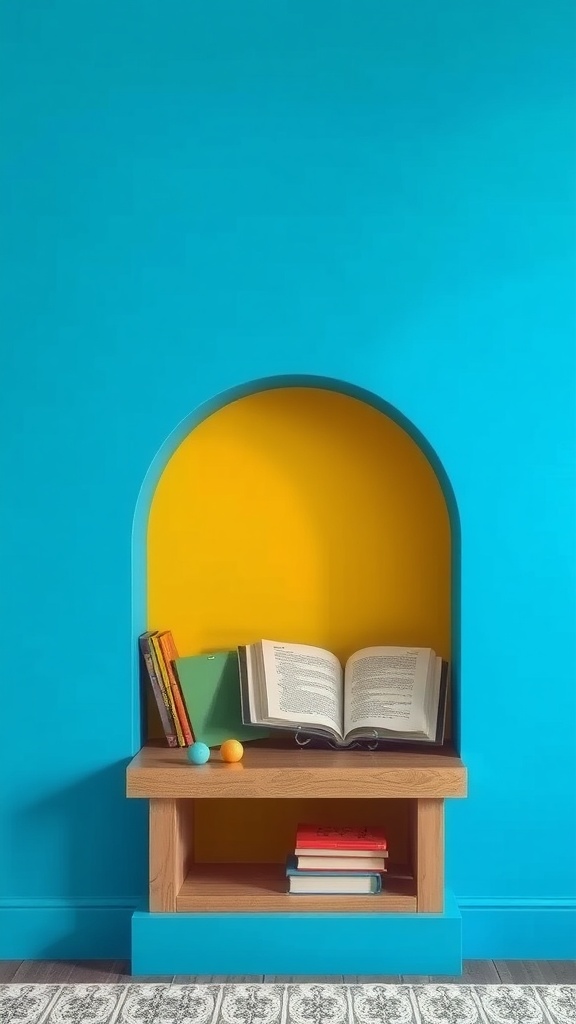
x,y
328,837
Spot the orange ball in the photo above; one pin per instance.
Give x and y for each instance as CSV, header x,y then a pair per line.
x,y
231,751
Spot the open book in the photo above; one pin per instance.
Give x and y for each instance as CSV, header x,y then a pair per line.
x,y
382,693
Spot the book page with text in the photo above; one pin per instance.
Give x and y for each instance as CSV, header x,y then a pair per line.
x,y
304,685
385,687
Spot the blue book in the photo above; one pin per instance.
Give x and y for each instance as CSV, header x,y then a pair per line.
x,y
345,883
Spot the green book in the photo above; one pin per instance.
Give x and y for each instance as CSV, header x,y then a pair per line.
x,y
210,685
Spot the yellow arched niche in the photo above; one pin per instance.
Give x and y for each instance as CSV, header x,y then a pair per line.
x,y
304,515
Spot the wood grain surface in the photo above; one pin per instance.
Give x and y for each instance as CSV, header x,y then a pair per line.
x,y
267,773
261,888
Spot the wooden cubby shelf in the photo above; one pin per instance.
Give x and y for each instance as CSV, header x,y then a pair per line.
x,y
173,786
261,888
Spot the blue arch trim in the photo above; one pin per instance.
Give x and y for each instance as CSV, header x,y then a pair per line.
x,y
202,412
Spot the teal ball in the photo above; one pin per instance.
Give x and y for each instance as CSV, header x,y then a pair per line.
x,y
199,753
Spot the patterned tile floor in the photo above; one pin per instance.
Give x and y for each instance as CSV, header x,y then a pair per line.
x,y
286,1004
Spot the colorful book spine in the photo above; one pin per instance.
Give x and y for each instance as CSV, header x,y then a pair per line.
x,y
160,666
170,654
145,642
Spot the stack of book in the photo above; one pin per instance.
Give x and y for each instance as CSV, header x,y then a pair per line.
x,y
331,861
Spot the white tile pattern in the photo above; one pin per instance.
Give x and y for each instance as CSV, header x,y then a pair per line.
x,y
287,1004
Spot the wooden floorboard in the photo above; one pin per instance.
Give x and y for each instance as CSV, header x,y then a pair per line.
x,y
536,972
475,972
217,979
372,979
86,972
303,979
559,972
155,979
519,972
8,969
46,972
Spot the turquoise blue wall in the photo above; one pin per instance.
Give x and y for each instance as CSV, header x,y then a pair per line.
x,y
195,195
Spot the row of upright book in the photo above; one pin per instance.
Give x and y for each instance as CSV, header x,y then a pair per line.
x,y
337,861
160,656
197,696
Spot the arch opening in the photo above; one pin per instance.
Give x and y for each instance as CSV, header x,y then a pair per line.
x,y
297,509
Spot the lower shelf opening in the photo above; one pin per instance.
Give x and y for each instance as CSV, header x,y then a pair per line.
x,y
261,888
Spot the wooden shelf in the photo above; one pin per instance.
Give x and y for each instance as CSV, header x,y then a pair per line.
x,y
271,773
261,888
171,784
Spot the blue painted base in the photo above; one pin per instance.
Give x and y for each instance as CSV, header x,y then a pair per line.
x,y
298,943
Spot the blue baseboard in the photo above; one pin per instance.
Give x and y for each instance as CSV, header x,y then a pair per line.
x,y
519,930
65,930
84,930
298,943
